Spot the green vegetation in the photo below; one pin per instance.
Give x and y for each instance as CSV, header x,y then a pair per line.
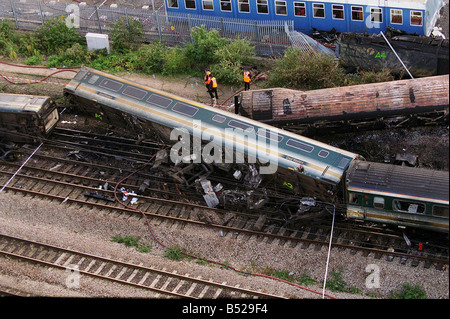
x,y
408,291
130,241
174,253
337,283
57,45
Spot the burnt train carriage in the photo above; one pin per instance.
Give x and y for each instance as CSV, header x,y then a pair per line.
x,y
372,16
24,118
399,195
318,166
358,103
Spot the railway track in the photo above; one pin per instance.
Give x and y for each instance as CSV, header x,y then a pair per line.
x,y
75,182
162,283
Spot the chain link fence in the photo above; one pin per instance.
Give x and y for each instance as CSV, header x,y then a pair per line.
x,y
270,38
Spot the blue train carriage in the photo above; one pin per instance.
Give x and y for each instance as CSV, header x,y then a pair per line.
x,y
26,118
407,197
114,99
371,16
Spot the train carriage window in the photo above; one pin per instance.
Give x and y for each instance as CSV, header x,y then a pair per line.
x,y
189,4
159,100
111,85
353,198
244,6
323,154
376,15
378,202
299,9
185,109
416,18
93,79
134,92
300,146
396,16
338,11
343,162
243,126
208,5
172,3
268,134
225,5
318,10
357,13
408,207
441,211
262,6
280,8
219,118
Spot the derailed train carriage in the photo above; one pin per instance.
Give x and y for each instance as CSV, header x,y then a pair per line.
x,y
315,168
345,108
26,118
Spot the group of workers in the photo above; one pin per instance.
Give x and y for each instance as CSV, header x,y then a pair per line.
x,y
211,84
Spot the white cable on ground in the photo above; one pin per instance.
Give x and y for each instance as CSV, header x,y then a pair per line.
x,y
329,251
4,186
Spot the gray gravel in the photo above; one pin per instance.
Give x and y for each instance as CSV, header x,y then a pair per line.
x,y
91,231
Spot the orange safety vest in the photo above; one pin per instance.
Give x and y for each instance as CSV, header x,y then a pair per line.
x,y
214,82
247,77
207,78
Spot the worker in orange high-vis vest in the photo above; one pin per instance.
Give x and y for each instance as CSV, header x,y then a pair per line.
x,y
207,80
213,92
247,79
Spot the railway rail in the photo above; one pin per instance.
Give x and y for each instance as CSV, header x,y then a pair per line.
x,y
77,182
163,283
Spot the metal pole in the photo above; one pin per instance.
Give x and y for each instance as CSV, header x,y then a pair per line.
x,y
98,20
14,13
40,11
329,251
381,32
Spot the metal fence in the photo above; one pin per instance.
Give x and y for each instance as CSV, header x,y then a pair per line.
x,y
270,38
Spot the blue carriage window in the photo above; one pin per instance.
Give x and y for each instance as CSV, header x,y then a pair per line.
x,y
299,9
338,11
159,100
225,5
262,6
208,4
357,14
111,85
280,8
318,10
343,163
416,18
300,146
323,153
219,118
185,109
243,126
189,4
172,3
270,135
244,6
134,92
376,15
397,16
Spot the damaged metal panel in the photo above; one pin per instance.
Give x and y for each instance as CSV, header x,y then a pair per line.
x,y
363,101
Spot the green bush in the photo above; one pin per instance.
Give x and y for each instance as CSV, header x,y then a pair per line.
x,y
34,60
175,62
126,34
296,70
408,291
8,39
55,37
174,253
230,57
200,52
151,58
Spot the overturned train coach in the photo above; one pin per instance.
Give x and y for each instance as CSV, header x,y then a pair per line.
x,y
370,105
316,168
26,118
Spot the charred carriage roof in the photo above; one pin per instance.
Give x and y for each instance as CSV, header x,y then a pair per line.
x,y
393,180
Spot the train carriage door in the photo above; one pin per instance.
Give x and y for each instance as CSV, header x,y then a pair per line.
x,y
262,105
